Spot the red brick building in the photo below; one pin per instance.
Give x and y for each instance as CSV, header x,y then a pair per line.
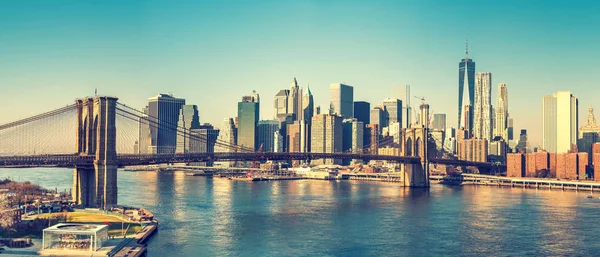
x,y
552,157
595,149
515,165
561,165
542,161
572,166
596,159
583,163
530,165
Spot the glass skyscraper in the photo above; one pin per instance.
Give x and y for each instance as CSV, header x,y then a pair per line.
x,y
341,98
248,115
266,134
188,120
362,111
163,112
393,107
466,88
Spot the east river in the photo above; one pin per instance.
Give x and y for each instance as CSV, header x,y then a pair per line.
x,y
216,217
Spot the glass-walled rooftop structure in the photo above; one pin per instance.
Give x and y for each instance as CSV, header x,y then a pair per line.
x,y
75,237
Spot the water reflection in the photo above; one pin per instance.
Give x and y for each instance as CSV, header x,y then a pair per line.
x,y
218,217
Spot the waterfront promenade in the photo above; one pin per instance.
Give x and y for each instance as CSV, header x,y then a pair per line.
x,y
477,179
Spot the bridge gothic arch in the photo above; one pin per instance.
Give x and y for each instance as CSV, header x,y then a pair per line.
x,y
418,144
84,133
408,148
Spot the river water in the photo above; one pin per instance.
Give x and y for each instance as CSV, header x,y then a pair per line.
x,y
216,217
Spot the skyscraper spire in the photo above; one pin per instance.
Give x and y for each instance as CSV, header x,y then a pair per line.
x,y
467,48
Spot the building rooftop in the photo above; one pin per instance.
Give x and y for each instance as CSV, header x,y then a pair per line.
x,y
75,228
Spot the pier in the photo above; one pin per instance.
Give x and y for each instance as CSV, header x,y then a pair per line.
x,y
476,179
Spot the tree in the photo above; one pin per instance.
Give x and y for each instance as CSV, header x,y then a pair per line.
x,y
6,215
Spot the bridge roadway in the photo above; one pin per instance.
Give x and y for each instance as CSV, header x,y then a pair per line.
x,y
73,160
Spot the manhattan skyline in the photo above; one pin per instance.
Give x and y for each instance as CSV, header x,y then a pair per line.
x,y
212,53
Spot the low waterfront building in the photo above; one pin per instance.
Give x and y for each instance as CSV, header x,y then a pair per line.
x,y
515,165
547,165
596,159
75,237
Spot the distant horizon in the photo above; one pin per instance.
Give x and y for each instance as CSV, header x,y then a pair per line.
x,y
212,53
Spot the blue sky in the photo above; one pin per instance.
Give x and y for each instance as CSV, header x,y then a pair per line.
x,y
213,52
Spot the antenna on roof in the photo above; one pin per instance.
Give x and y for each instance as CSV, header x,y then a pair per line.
x,y
467,47
95,92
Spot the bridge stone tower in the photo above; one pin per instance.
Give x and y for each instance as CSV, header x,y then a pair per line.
x,y
415,142
95,184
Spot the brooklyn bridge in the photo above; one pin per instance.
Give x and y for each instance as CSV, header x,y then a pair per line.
x,y
95,136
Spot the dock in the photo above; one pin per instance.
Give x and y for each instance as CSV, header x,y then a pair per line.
x,y
539,183
135,246
385,177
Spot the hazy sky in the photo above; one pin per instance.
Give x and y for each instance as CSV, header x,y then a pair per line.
x,y
213,52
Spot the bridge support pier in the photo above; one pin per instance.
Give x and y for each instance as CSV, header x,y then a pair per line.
x,y
415,175
95,185
415,143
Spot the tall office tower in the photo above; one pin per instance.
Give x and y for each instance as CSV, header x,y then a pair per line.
x,y
439,121
203,140
352,135
474,150
560,122
326,136
590,126
402,92
295,101
393,108
493,121
522,146
498,148
318,110
254,97
278,142
439,137
466,88
362,111
466,123
266,131
394,130
342,100
307,114
371,142
308,109
293,137
586,142
163,113
188,120
144,133
358,130
510,129
378,117
450,132
501,121
248,115
281,104
227,135
424,118
304,138
482,110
